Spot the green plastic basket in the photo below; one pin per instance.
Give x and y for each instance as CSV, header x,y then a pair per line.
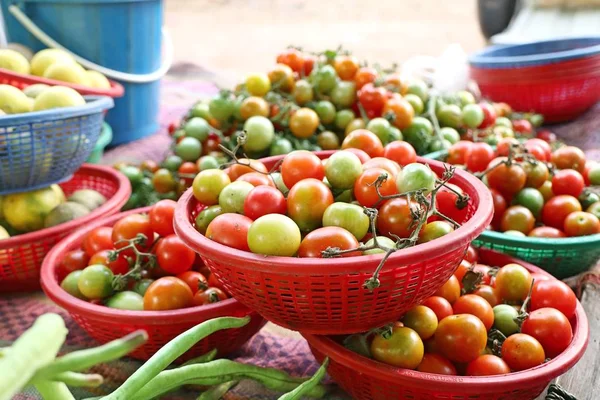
x,y
103,141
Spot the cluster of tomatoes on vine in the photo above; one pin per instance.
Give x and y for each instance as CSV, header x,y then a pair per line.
x,y
139,264
483,321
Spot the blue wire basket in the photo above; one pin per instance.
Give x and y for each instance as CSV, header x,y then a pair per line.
x,y
41,148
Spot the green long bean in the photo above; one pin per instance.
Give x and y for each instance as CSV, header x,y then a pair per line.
x,y
169,353
216,392
54,391
307,386
204,358
75,379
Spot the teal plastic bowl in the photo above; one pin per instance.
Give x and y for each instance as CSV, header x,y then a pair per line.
x,y
105,138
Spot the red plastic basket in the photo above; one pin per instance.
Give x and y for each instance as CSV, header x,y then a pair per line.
x,y
366,379
105,324
21,256
327,296
21,81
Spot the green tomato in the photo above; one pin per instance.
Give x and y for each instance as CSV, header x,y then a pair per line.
x,y
179,133
95,282
492,140
141,286
303,92
536,120
232,197
208,162
505,319
206,216
347,196
381,128
437,145
259,133
343,169
328,140
326,112
450,134
221,107
415,176
134,174
172,163
351,217
594,209
449,115
419,133
588,198
126,300
416,103
503,132
465,98
197,128
189,149
395,134
434,230
274,235
343,118
419,88
279,182
472,115
531,199
594,174
281,146
503,121
323,79
343,94
382,240
69,285
201,110
514,233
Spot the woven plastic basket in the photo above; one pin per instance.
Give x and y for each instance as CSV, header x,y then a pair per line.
x,y
366,379
40,148
326,296
21,256
105,324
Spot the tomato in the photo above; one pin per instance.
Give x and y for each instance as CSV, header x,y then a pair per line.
x,y
401,152
119,266
292,58
208,184
95,282
480,156
282,78
365,75
555,294
174,256
521,351
355,124
342,169
323,78
259,133
472,115
567,181
569,157
477,306
505,319
416,176
263,200
499,205
440,306
513,282
383,129
395,217
546,135
551,328
505,145
592,173
486,365
307,201
536,151
348,216
195,280
462,270
258,84
245,166
395,83
546,190
508,180
167,293
304,123
364,140
461,338
557,209
472,255
372,98
231,230
163,181
299,165
233,196
446,203
488,293
127,300
401,110
309,62
436,364
317,241
450,290
364,157
531,199
209,296
343,95
581,223
434,230
206,216
403,349
383,163
161,217
274,235
257,106
449,115
422,320
69,284
537,174
97,240
366,194
489,115
74,260
459,152
546,232
594,209
149,165
256,179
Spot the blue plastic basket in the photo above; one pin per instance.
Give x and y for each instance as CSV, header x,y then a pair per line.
x,y
536,53
41,148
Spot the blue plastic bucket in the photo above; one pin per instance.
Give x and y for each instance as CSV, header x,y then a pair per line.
x,y
120,38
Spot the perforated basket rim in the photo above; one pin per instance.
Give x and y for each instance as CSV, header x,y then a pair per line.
x,y
464,384
306,266
94,105
99,313
115,202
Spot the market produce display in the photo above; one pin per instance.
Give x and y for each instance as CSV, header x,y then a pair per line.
x,y
37,98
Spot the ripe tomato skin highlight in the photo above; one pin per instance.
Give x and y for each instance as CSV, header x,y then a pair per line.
x,y
567,181
174,256
129,227
557,209
395,217
366,194
477,306
554,294
436,364
440,306
480,156
486,365
449,290
97,240
521,351
231,230
161,217
403,349
446,201
299,165
306,203
507,180
461,338
401,152
372,98
315,242
580,223
551,328
544,145
263,200
364,140
168,293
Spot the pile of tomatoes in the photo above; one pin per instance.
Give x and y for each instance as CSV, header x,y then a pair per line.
x,y
312,204
483,330
542,193
168,275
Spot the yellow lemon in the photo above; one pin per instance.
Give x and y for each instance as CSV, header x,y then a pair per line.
x,y
26,211
47,57
56,97
67,72
14,61
13,100
97,80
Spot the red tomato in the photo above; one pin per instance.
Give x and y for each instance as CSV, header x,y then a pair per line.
x,y
486,365
74,260
401,152
489,294
292,58
263,200
472,256
459,152
119,266
380,162
257,179
401,110
372,98
364,140
508,180
395,218
317,241
586,172
309,63
366,193
569,157
299,165
440,306
489,115
306,203
480,156
245,166
231,230
555,294
499,206
167,293
521,351
477,306
174,256
462,270
537,176
546,136
541,143
130,227
446,203
362,156
551,328
557,209
436,364
484,270
97,240
513,283
522,126
209,296
365,75
449,290
461,338
161,217
567,181
581,223
546,232
214,282
195,280
536,151
517,218
505,144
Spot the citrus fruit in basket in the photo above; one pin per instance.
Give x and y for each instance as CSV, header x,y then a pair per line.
x,y
34,90
26,211
13,100
45,58
97,80
56,97
67,72
14,61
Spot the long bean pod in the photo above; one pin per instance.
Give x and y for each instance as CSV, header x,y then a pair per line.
x,y
54,390
204,358
75,379
216,392
307,386
169,353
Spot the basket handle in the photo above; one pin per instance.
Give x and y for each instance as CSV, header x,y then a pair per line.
x,y
30,26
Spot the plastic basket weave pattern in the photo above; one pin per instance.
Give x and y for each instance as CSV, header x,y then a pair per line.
x,y
40,148
366,379
327,296
21,256
105,324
